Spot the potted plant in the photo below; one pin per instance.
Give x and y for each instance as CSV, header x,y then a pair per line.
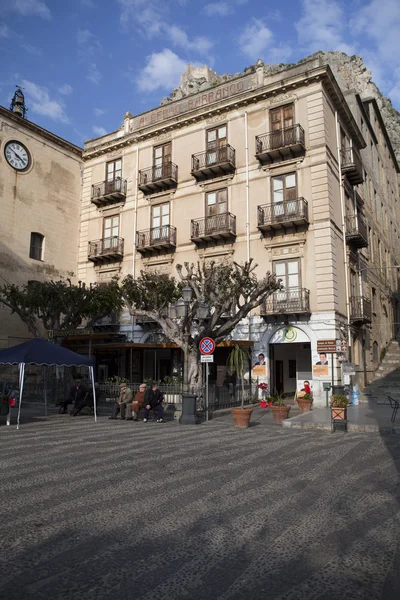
x,y
263,386
304,401
339,404
238,361
280,411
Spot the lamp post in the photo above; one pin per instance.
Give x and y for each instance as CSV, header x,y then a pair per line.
x,y
179,310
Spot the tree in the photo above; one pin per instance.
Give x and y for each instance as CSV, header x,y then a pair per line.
x,y
238,361
231,290
60,305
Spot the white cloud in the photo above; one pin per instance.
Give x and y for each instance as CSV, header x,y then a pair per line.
x,y
99,130
255,39
88,3
32,7
218,9
322,26
34,50
163,71
179,38
4,31
39,101
99,112
65,89
94,75
88,41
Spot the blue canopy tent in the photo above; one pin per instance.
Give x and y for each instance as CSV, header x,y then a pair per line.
x,y
40,352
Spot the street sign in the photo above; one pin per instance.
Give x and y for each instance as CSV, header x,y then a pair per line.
x,y
348,368
207,358
326,346
207,346
341,345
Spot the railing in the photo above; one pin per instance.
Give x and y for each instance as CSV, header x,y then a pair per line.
x,y
213,225
105,188
168,170
355,225
350,157
290,210
290,136
290,301
165,235
106,246
360,308
213,157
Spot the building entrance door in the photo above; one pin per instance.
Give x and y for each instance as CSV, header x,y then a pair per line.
x,y
279,376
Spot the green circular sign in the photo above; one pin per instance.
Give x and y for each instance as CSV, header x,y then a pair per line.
x,y
289,334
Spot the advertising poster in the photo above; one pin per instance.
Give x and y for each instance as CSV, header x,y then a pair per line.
x,y
259,366
321,365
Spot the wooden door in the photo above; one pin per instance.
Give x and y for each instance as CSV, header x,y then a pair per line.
x,y
113,176
281,126
216,145
162,161
284,195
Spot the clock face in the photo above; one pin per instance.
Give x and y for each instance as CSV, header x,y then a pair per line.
x,y
17,155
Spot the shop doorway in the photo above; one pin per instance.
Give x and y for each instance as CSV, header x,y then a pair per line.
x,y
291,364
279,384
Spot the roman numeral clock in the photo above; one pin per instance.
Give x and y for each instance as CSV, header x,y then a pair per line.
x,y
17,155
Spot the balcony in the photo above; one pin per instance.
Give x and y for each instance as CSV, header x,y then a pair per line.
x,y
107,192
356,232
214,162
158,178
157,239
280,145
285,214
287,302
106,250
352,166
215,227
360,309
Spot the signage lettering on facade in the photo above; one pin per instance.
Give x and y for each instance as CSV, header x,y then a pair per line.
x,y
71,332
207,358
328,346
191,103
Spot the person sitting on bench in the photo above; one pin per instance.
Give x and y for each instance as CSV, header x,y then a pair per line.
x,y
124,401
153,401
77,395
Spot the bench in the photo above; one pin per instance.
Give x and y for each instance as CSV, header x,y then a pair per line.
x,y
395,406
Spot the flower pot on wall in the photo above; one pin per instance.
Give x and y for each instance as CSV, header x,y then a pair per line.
x,y
241,417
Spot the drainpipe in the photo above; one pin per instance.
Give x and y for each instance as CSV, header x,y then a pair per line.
x,y
247,185
135,229
342,206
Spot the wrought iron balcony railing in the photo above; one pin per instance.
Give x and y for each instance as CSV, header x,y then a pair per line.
x,y
283,214
288,302
281,144
158,177
106,249
108,191
213,227
360,309
356,231
352,165
156,238
214,162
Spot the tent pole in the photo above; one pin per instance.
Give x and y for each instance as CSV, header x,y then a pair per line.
x,y
21,389
45,389
94,394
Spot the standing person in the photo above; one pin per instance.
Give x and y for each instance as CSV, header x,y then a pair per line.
x,y
76,396
153,401
136,405
124,399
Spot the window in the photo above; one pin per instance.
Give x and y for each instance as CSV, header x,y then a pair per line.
x,y
281,121
216,202
36,248
284,194
162,160
160,221
113,173
216,145
289,272
110,232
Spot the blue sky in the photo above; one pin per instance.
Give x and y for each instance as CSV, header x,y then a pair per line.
x,y
83,63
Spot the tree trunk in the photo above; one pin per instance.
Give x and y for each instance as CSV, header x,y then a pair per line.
x,y
194,371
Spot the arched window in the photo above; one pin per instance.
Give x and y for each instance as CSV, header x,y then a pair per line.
x,y
37,245
375,352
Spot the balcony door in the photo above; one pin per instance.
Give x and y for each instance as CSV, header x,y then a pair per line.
x,y
284,196
159,223
290,295
113,176
110,232
281,121
216,211
162,161
216,145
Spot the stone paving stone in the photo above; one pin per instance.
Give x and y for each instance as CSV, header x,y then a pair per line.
x,y
121,510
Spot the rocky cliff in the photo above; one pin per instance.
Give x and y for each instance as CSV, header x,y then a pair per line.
x,y
350,71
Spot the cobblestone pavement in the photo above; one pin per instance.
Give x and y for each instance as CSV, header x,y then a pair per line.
x,y
124,511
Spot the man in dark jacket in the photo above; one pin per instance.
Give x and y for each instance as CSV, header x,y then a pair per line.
x,y
153,401
77,397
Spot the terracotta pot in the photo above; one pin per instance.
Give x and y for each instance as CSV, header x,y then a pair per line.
x,y
263,404
304,405
241,417
280,413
